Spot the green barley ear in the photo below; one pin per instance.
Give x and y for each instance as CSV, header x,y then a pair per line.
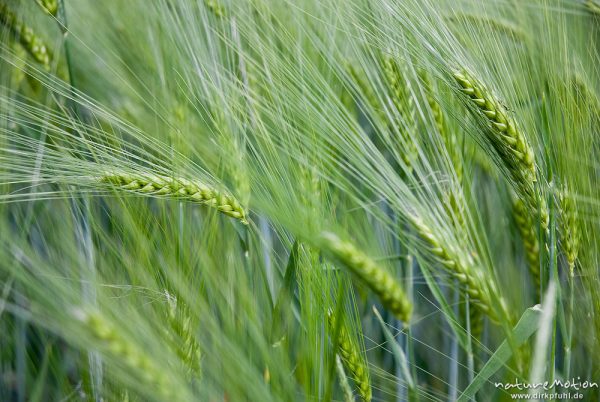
x,y
113,343
569,227
351,357
50,6
365,89
180,333
215,7
449,136
593,7
404,104
26,36
341,373
508,141
530,242
461,268
383,284
168,187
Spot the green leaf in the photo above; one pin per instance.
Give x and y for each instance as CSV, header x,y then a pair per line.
x,y
286,293
399,355
37,391
526,326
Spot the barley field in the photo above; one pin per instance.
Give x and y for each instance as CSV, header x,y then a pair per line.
x,y
309,200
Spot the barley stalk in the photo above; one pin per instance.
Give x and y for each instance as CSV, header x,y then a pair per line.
x,y
339,368
530,241
376,278
169,187
352,358
507,140
473,315
475,321
26,36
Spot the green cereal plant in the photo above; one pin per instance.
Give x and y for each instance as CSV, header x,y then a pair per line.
x,y
183,189
508,141
28,38
351,358
381,282
530,241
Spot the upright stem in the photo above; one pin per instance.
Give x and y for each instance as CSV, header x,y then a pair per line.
x,y
554,273
453,375
569,336
81,212
470,354
413,394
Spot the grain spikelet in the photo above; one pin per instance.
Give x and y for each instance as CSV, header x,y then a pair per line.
x,y
530,242
352,358
26,36
508,141
380,281
169,187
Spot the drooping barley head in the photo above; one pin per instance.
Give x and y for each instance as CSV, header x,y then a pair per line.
x,y
381,282
352,358
530,241
50,6
477,284
508,140
569,229
404,105
26,36
593,7
169,187
112,342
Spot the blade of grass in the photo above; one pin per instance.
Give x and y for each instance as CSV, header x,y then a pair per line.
x,y
526,326
399,355
286,293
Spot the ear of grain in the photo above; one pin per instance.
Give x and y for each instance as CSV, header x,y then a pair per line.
x,y
449,136
593,6
530,242
215,7
341,373
404,104
388,290
113,343
180,333
508,141
169,187
50,6
26,36
570,230
365,89
477,285
352,358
